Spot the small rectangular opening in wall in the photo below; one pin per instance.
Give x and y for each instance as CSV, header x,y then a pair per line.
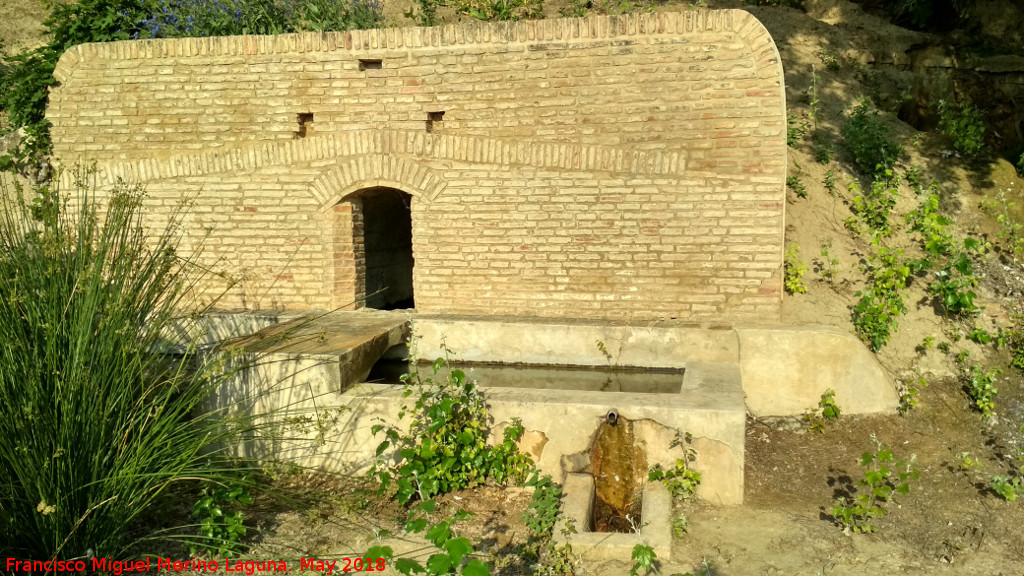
x,y
432,118
305,120
371,64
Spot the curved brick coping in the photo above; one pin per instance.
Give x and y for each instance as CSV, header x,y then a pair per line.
x,y
748,28
393,142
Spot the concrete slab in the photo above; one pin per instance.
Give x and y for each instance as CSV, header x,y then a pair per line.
x,y
786,369
331,350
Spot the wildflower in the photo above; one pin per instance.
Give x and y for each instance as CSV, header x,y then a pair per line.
x,y
45,509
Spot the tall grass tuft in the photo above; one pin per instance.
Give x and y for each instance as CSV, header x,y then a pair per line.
x,y
101,406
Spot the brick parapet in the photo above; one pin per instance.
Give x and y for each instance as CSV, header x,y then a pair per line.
x,y
461,34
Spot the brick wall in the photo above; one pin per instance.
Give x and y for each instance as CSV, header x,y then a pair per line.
x,y
605,167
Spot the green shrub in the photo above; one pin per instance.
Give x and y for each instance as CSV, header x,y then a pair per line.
x,y
100,424
982,389
875,316
964,125
1009,227
795,131
446,446
875,206
1020,165
795,184
189,18
794,272
954,282
827,410
868,140
884,477
541,514
500,10
908,392
681,480
1011,486
936,239
452,554
829,182
221,523
643,558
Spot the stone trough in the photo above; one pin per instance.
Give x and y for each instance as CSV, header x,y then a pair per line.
x,y
723,372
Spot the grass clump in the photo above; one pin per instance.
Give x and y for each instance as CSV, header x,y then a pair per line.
x,y
103,402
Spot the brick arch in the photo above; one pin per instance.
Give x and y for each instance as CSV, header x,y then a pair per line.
x,y
375,171
352,279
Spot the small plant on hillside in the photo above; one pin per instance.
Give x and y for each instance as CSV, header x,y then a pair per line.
x,y
221,523
884,477
936,238
830,58
1008,487
1009,229
820,139
680,524
1020,165
875,206
452,554
794,271
827,410
643,560
541,514
795,131
681,480
979,335
829,182
967,463
881,301
926,344
1011,485
868,140
557,560
826,265
1013,339
953,284
794,183
913,175
823,147
982,390
908,392
446,446
964,125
